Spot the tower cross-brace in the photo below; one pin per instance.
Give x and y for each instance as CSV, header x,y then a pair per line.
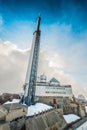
x,y
31,76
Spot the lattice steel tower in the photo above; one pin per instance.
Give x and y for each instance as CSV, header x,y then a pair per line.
x,y
31,76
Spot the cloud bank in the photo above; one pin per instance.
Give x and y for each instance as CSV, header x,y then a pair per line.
x,y
70,46
13,66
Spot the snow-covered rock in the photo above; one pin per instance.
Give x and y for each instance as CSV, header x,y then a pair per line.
x,y
37,108
13,101
71,118
33,109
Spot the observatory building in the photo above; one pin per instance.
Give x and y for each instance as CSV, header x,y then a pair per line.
x,y
52,91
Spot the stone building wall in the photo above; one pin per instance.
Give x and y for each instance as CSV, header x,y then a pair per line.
x,y
49,120
60,101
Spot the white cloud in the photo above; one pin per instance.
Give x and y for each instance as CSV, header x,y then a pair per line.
x,y
56,38
13,66
71,47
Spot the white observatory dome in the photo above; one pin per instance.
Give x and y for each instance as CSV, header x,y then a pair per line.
x,y
43,78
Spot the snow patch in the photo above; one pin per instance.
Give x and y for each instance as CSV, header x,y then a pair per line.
x,y
71,118
13,101
37,108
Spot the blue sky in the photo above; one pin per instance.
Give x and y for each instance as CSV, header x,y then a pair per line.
x,y
60,11
63,26
19,17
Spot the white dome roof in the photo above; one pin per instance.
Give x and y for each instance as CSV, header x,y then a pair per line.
x,y
43,78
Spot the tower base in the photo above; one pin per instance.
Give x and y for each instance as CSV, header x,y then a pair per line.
x,y
26,100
